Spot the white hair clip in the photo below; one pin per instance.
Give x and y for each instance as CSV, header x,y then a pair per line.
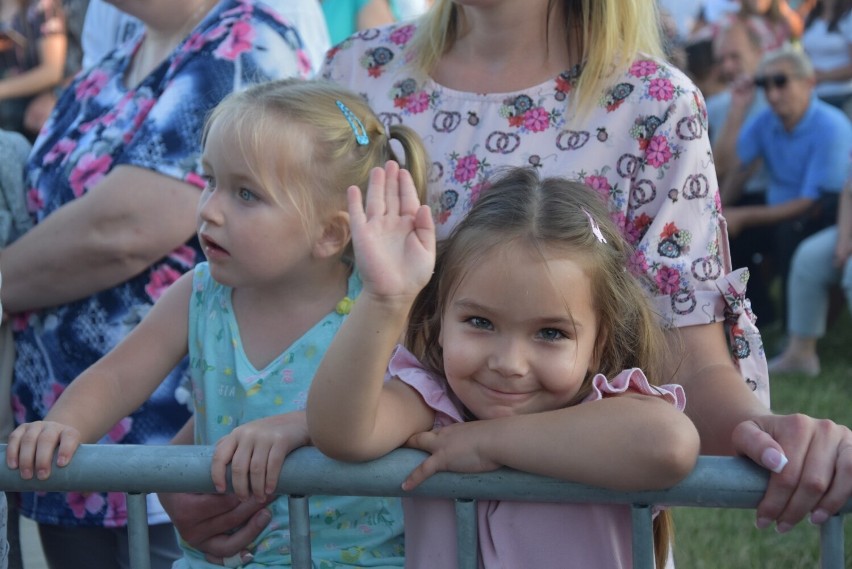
x,y
595,227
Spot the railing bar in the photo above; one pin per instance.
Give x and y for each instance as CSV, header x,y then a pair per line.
x,y
467,534
831,543
137,531
643,536
300,531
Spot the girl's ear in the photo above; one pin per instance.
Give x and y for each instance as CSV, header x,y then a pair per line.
x,y
335,236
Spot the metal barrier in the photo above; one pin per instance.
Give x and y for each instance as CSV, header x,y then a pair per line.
x,y
723,482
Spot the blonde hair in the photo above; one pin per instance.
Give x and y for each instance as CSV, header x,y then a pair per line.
x,y
611,34
320,156
551,215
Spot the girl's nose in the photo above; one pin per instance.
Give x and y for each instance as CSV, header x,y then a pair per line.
x,y
209,209
509,358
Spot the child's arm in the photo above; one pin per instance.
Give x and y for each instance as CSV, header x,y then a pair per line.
x,y
112,388
628,442
351,414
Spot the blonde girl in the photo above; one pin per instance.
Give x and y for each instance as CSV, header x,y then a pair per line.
x,y
524,349
256,318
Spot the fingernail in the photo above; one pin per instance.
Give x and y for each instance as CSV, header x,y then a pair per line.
x,y
773,460
783,527
246,557
265,517
819,517
42,475
762,523
61,461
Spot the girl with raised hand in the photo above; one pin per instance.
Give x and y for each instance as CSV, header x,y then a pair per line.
x,y
256,318
524,348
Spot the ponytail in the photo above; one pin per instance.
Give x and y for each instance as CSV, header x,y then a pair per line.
x,y
414,159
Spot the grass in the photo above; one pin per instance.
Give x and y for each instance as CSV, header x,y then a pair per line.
x,y
708,538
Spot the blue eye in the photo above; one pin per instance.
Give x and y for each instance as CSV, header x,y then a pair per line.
x,y
209,181
246,195
551,334
480,323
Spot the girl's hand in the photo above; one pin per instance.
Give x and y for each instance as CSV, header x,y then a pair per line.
x,y
455,448
394,237
31,447
256,453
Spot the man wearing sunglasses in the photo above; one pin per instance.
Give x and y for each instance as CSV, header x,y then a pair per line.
x,y
805,145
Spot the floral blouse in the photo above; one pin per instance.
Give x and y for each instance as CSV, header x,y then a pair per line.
x,y
644,147
98,124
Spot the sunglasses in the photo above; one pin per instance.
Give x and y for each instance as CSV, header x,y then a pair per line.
x,y
779,81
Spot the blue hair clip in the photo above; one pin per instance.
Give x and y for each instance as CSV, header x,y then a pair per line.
x,y
357,126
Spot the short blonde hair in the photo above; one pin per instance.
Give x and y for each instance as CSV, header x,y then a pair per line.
x,y
320,155
612,33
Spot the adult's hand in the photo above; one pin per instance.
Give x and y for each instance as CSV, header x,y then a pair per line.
x,y
817,477
219,525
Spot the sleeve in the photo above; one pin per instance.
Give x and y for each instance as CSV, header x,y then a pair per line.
x,y
748,141
634,381
405,367
243,47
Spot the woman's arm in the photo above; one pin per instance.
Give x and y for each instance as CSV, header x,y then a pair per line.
x,y
628,442
731,420
131,219
46,75
112,388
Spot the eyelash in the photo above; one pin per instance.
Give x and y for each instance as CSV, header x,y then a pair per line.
x,y
546,334
560,335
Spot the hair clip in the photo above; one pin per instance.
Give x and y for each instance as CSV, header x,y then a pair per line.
x,y
595,227
357,126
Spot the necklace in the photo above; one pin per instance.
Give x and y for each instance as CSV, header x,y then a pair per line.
x,y
149,56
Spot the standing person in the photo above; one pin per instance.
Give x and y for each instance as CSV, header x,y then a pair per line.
x,y
805,145
828,42
34,43
4,513
345,17
821,262
114,179
772,20
504,361
580,93
257,317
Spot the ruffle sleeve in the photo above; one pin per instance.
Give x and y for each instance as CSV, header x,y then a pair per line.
x,y
432,388
634,380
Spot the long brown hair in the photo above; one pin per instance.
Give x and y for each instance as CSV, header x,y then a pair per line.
x,y
551,214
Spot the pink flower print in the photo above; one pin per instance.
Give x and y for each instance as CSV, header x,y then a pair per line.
x,y
643,68
240,40
417,103
598,183
637,228
638,263
184,255
466,168
88,171
661,89
91,85
400,36
116,513
536,119
120,430
80,503
658,152
160,281
35,202
50,397
668,280
61,149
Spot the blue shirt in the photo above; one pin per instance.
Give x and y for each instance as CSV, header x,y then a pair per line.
x,y
802,163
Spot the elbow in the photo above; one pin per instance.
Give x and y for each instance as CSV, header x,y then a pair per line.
x,y
337,443
676,452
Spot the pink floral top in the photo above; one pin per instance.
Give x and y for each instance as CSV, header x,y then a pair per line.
x,y
520,534
644,147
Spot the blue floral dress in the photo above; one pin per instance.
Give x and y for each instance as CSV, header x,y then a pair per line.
x,y
100,123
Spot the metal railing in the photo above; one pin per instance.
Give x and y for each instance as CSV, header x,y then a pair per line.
x,y
716,482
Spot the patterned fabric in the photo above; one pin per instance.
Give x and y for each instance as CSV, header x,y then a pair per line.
x,y
229,391
644,147
520,534
97,125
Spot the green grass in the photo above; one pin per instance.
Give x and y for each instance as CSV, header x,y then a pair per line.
x,y
709,538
